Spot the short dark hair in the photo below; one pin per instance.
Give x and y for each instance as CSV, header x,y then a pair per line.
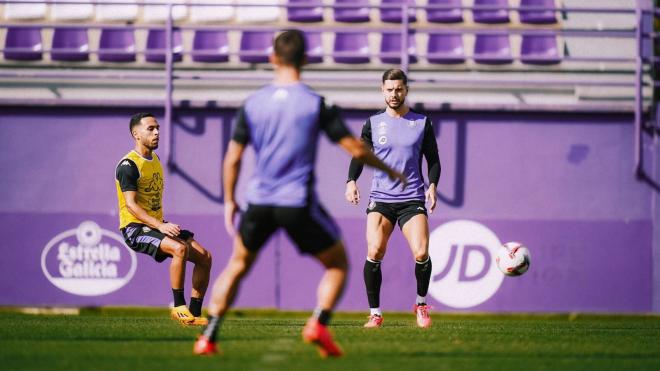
x,y
136,118
395,74
289,47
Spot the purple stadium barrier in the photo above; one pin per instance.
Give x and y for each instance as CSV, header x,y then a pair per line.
x,y
313,13
352,15
70,45
492,49
117,45
491,16
444,48
537,16
351,47
256,46
391,15
390,48
157,46
445,15
210,46
539,49
23,44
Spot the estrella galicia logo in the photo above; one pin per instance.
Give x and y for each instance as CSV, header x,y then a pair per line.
x,y
88,261
464,273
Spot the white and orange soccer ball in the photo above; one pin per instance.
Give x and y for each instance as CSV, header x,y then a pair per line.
x,y
513,259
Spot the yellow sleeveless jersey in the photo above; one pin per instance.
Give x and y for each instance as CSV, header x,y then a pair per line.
x,y
145,176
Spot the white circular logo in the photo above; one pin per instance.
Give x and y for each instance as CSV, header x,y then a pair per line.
x,y
88,261
464,271
382,139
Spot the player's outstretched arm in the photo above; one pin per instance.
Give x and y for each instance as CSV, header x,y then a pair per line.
x,y
359,151
169,229
231,168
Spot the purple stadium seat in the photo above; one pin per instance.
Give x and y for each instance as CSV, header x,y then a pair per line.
x,y
156,49
491,16
445,48
351,47
256,46
445,15
314,47
539,49
394,15
352,15
537,16
117,45
492,49
23,44
210,46
313,13
70,45
390,48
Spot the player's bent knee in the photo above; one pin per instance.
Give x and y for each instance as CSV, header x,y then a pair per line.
x,y
334,257
375,253
174,248
239,267
421,256
180,250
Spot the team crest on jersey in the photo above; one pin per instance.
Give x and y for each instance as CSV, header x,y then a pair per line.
x,y
412,123
146,229
382,139
372,205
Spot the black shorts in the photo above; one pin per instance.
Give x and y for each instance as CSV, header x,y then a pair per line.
x,y
398,211
310,227
143,239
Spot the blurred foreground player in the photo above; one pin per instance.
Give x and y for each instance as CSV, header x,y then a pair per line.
x,y
283,121
139,181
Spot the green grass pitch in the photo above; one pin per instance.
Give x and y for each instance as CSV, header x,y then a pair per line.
x,y
145,339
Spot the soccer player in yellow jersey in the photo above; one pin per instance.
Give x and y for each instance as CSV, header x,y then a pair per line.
x,y
139,181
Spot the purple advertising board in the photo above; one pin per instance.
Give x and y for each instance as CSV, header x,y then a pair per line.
x,y
558,183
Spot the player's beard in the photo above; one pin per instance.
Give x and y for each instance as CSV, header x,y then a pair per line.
x,y
152,145
397,106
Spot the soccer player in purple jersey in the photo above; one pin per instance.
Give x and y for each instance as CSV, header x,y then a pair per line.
x,y
283,122
400,137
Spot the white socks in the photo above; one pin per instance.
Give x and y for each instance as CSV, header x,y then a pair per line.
x,y
376,311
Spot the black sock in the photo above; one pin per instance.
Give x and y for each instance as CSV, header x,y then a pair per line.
x,y
211,330
323,316
179,299
423,275
196,306
372,280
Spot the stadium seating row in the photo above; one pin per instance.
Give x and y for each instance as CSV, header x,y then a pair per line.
x,y
71,44
529,12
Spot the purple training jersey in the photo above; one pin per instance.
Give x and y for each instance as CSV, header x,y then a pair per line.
x,y
400,143
283,123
